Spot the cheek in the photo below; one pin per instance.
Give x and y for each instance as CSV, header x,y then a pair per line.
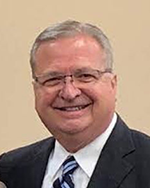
x,y
44,98
103,94
94,93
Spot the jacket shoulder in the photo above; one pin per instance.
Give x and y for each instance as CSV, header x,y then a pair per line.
x,y
140,139
24,154
142,148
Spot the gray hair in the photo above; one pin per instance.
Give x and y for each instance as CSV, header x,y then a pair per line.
x,y
71,28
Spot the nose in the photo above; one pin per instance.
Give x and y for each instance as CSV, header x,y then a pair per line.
x,y
69,91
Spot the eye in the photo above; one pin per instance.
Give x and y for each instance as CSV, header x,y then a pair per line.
x,y
52,81
86,77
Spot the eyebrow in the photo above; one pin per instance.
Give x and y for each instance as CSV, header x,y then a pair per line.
x,y
83,69
51,73
56,73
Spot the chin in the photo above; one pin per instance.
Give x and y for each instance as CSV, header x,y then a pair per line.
x,y
70,127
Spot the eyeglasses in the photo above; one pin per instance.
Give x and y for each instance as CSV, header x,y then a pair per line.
x,y
81,76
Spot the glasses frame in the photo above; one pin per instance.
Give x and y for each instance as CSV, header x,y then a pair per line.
x,y
100,73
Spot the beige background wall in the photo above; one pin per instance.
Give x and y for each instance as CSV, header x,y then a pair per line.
x,y
126,22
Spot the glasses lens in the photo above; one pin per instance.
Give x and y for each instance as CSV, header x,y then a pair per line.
x,y
87,76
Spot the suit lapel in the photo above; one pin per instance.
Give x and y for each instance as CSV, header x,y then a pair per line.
x,y
31,173
116,160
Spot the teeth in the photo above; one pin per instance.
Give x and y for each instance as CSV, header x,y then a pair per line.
x,y
73,108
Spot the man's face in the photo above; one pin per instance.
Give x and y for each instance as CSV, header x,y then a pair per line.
x,y
74,108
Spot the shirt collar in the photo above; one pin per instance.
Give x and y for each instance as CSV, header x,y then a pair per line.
x,y
86,160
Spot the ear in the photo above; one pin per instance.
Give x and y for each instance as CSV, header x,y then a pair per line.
x,y
34,84
114,81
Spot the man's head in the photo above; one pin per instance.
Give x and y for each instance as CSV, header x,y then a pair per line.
x,y
74,85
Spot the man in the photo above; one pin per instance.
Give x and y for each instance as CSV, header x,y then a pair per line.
x,y
75,94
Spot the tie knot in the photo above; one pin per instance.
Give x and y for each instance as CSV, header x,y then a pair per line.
x,y
66,181
69,165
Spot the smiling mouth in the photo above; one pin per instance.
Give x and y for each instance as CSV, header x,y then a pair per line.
x,y
72,108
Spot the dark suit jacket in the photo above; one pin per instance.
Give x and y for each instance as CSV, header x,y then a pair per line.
x,y
124,162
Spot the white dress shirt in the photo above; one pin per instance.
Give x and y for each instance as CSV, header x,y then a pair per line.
x,y
86,157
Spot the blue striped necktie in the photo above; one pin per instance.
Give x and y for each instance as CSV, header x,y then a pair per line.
x,y
65,181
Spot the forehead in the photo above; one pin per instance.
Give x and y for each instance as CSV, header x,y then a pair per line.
x,y
69,51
